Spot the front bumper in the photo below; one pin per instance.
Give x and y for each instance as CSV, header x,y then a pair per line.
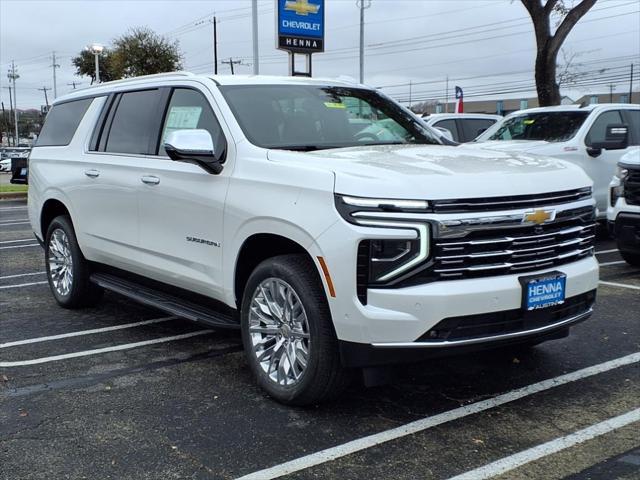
x,y
545,325
627,232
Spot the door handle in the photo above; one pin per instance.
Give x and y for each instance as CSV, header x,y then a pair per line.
x,y
93,173
150,180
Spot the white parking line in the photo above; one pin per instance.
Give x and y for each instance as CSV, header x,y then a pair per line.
x,y
4,287
622,285
2,222
607,264
512,462
17,241
14,223
607,251
22,275
85,332
21,246
13,208
363,443
97,351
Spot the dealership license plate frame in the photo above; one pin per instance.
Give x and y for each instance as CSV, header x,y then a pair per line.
x,y
542,279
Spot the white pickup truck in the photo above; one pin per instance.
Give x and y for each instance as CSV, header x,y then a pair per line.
x,y
321,218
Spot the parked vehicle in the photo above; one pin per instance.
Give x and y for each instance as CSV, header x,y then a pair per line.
x,y
5,165
463,127
580,135
624,207
261,203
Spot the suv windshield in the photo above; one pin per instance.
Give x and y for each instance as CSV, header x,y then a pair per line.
x,y
311,117
549,126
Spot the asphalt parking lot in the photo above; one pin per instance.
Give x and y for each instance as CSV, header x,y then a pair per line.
x,y
125,392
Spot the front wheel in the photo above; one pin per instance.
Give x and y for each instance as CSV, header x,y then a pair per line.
x,y
67,269
288,335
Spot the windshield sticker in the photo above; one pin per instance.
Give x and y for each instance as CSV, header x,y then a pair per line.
x,y
334,105
529,122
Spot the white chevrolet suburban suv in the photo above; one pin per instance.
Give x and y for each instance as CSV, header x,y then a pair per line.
x,y
272,205
624,207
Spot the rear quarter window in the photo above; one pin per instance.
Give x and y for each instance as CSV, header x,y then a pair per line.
x,y
62,122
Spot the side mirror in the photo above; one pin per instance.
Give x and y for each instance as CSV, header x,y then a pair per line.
x,y
446,133
616,138
193,146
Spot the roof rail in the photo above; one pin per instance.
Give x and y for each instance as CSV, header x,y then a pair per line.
x,y
179,73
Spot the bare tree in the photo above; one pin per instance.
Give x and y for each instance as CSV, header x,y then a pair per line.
x,y
548,43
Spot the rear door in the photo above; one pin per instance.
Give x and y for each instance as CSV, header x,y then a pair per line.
x,y
124,139
181,205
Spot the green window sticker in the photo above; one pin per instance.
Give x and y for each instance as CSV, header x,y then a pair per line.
x,y
334,105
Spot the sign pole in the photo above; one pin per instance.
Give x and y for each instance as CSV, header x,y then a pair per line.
x,y
300,31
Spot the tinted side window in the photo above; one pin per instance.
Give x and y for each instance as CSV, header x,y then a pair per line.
x,y
449,125
133,121
62,122
598,130
472,127
189,109
633,117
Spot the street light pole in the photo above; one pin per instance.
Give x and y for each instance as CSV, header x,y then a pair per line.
x,y
254,15
361,4
96,49
12,76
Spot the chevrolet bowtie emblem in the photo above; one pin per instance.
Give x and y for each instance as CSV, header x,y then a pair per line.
x,y
539,216
301,7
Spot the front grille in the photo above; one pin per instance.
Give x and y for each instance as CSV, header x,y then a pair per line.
x,y
510,202
514,250
507,321
632,187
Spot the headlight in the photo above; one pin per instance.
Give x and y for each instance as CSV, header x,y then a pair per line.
x,y
618,191
386,261
350,208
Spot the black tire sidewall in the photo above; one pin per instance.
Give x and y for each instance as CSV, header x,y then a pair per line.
x,y
78,267
304,284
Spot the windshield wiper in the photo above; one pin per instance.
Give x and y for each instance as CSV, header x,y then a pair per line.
x,y
305,148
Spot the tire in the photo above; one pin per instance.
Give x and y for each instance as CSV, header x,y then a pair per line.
x,y
67,269
305,335
631,258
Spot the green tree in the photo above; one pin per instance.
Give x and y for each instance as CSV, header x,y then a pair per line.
x,y
548,44
140,51
85,65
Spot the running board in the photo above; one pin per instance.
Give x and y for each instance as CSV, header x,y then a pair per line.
x,y
164,301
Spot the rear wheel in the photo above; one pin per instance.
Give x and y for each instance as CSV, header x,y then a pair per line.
x,y
288,335
67,269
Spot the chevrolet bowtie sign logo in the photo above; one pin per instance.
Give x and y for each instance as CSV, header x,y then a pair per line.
x,y
301,7
539,216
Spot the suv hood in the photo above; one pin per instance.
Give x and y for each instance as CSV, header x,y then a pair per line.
x,y
438,171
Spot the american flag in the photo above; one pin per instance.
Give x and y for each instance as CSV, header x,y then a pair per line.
x,y
459,103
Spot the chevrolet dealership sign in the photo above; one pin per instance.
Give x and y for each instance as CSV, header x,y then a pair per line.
x,y
301,25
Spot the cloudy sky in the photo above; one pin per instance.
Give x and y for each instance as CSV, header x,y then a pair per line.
x,y
485,46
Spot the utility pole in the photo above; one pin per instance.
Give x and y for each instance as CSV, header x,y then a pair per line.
x,y
446,93
73,84
46,99
361,4
254,16
54,65
631,84
13,75
611,87
6,124
9,129
215,46
231,62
